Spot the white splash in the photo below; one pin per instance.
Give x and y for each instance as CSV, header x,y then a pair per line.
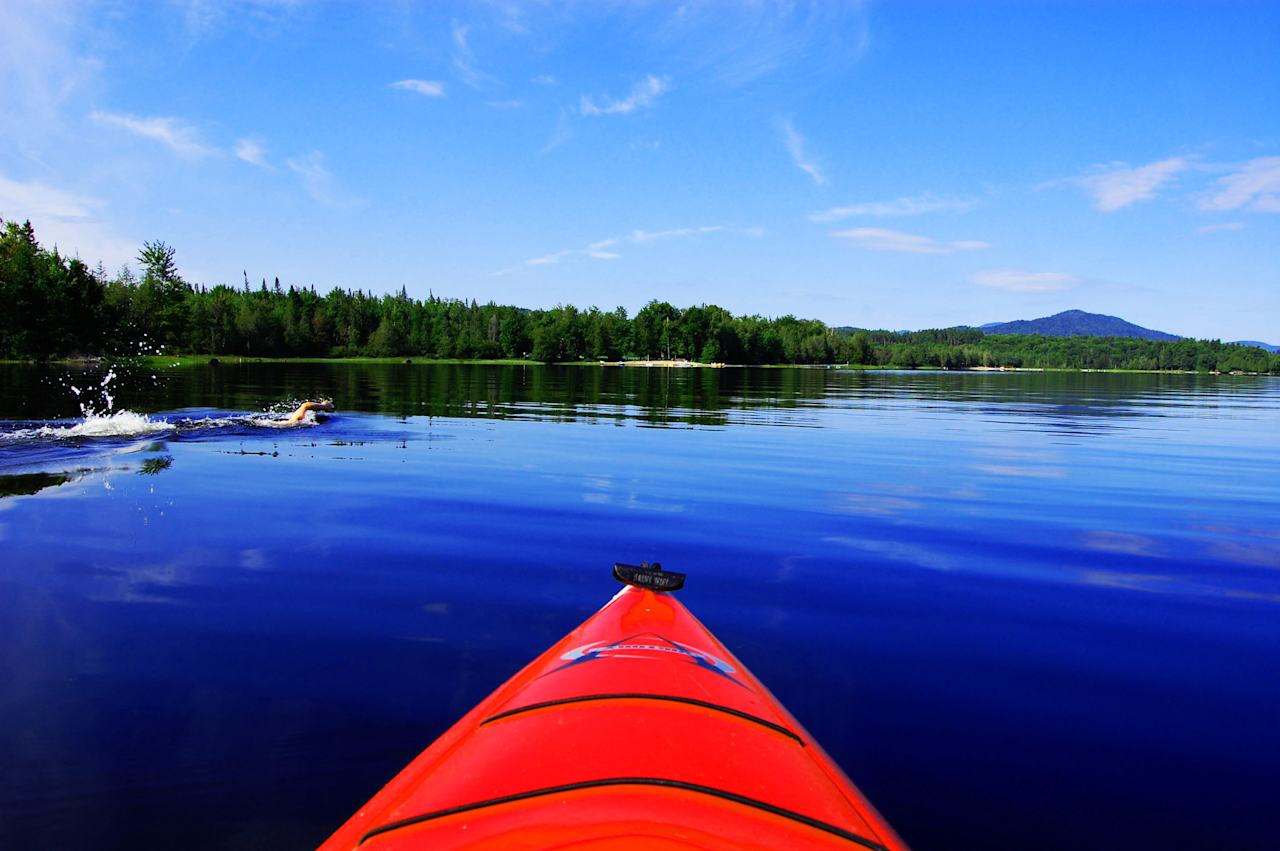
x,y
104,388
109,422
105,423
118,424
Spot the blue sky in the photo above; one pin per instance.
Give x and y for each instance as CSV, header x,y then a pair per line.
x,y
897,165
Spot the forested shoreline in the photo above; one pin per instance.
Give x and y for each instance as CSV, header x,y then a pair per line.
x,y
58,307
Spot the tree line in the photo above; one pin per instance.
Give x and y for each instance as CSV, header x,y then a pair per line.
x,y
55,306
968,348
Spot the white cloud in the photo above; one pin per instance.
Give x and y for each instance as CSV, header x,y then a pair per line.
x,y
42,68
907,206
64,219
600,249
428,88
759,39
505,104
464,60
544,80
1118,186
251,152
1255,186
883,239
643,94
639,236
1221,226
209,18
180,138
560,134
1022,281
595,251
319,182
796,147
21,200
548,259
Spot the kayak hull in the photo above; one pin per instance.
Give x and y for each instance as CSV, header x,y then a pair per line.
x,y
637,730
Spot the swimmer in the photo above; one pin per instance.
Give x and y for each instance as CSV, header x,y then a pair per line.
x,y
297,416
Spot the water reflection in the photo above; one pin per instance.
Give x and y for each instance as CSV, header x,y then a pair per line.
x,y
1073,403
1125,543
974,589
154,466
26,484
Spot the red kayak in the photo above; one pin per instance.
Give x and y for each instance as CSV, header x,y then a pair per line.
x,y
636,730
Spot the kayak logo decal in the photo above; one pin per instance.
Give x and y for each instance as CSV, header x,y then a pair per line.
x,y
643,646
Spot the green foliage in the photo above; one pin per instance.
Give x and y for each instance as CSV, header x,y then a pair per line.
x,y
157,261
966,348
48,305
55,307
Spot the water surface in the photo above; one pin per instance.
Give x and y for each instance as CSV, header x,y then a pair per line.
x,y
1021,610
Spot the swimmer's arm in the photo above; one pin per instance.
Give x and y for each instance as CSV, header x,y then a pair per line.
x,y
296,416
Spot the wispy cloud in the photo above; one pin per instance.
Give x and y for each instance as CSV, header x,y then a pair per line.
x,y
640,236
64,219
464,60
915,205
759,39
796,147
206,18
26,198
1221,226
1022,281
427,88
1119,185
544,80
180,138
319,182
251,152
1255,187
42,68
604,249
596,251
505,104
883,239
642,95
560,134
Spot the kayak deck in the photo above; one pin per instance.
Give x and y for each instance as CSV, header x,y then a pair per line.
x,y
638,729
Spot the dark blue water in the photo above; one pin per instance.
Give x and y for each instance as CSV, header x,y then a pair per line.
x,y
1021,610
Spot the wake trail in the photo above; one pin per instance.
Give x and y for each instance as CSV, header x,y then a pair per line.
x,y
128,424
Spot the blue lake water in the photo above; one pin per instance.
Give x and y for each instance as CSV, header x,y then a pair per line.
x,y
1021,610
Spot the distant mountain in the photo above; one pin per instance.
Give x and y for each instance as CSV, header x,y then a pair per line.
x,y
1266,346
1077,323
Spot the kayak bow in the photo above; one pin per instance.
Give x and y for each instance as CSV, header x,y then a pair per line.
x,y
636,730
